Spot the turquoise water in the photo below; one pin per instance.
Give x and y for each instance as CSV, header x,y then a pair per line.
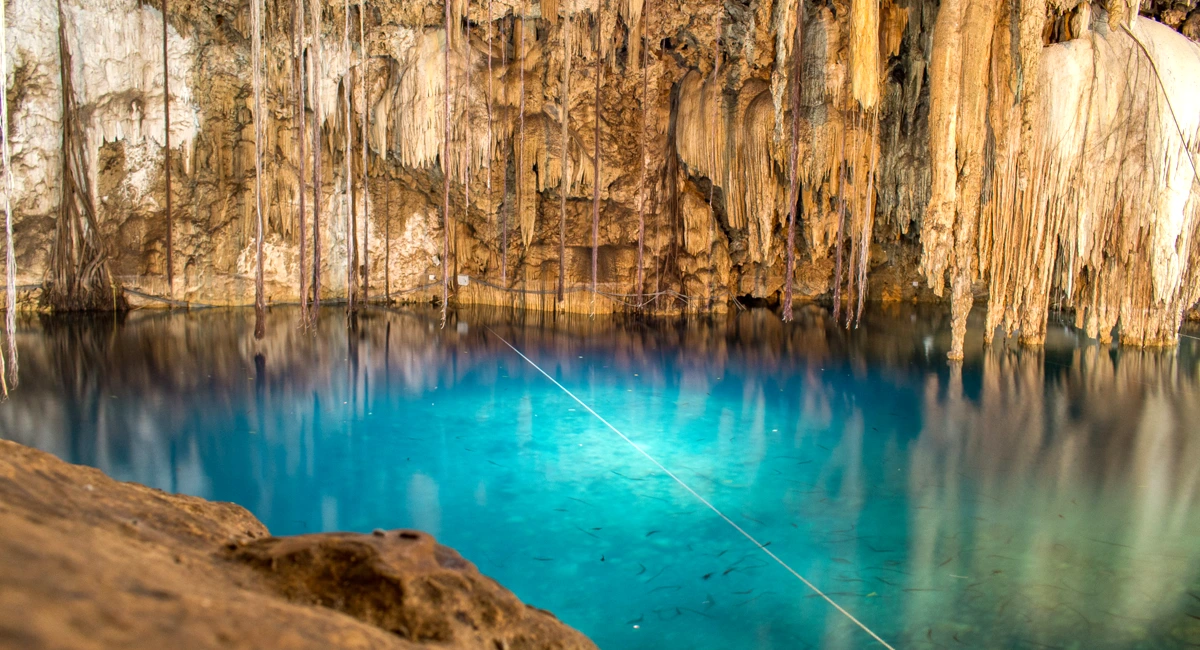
x,y
1025,499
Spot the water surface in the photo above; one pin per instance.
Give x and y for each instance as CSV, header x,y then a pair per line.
x,y
1022,499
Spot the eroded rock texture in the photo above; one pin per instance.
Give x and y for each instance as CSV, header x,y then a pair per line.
x,y
91,562
1040,153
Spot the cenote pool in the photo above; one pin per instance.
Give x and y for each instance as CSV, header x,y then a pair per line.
x,y
1025,499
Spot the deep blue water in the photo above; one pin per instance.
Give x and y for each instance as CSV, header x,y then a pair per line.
x,y
1023,499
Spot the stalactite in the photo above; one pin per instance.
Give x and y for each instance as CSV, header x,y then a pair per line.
x,y
301,135
855,213
8,375
944,88
959,108
467,120
315,100
351,212
256,61
490,157
364,63
642,157
718,95
868,219
979,20
733,148
504,182
522,199
596,164
564,184
1061,171
167,154
446,172
865,81
79,276
864,52
793,163
841,235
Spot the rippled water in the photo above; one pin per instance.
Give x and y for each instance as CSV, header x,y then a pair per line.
x,y
1023,499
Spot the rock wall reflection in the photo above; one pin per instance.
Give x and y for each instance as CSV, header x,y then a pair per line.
x,y
1042,492
1101,450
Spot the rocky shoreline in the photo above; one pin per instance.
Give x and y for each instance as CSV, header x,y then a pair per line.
x,y
90,562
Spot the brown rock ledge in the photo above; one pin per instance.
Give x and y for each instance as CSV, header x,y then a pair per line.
x,y
89,562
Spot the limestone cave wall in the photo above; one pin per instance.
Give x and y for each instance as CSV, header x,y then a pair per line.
x,y
1037,153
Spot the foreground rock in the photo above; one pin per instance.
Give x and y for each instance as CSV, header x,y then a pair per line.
x,y
89,562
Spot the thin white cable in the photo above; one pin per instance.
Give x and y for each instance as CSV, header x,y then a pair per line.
x,y
687,487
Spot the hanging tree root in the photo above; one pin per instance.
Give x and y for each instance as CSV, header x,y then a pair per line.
x,y
79,278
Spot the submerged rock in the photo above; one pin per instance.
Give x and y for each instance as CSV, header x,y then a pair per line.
x,y
92,562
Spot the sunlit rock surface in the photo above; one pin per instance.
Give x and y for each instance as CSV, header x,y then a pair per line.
x,y
92,562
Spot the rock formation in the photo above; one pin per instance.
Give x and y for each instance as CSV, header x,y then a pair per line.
x,y
1042,154
92,562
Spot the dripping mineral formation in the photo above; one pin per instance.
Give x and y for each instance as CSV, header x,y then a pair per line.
x,y
1026,156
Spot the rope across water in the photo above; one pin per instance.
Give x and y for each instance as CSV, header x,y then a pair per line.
x,y
695,494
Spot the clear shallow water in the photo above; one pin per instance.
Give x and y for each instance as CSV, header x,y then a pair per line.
x,y
1026,499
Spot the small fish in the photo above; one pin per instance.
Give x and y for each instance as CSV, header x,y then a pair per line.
x,y
946,562
587,533
688,609
660,572
671,587
544,559
651,533
744,593
580,500
841,560
642,571
636,620
706,576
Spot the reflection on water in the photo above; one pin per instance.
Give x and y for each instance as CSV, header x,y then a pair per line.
x,y
1023,499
